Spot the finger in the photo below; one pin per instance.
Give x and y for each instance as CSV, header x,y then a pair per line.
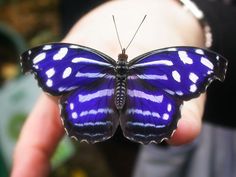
x,y
39,137
189,126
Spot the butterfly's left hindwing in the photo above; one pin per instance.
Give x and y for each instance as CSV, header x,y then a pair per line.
x,y
61,67
89,113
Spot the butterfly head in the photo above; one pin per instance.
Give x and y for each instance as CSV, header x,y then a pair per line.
x,y
122,57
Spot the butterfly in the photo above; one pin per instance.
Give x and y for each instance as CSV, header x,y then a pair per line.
x,y
143,96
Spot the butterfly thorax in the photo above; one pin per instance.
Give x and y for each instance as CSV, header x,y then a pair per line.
x,y
121,80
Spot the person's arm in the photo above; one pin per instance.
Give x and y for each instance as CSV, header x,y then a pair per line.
x,y
166,25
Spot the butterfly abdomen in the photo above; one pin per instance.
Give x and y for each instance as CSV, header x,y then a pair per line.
x,y
121,83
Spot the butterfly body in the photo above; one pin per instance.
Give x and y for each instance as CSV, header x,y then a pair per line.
x,y
143,96
121,70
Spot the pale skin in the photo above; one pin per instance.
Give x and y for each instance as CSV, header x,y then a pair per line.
x,y
167,24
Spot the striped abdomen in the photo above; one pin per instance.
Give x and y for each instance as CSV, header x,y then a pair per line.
x,y
120,92
121,83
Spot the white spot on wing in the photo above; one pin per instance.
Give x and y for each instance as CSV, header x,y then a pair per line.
x,y
169,107
61,89
39,57
180,93
193,77
47,47
74,115
176,76
165,116
170,91
193,88
36,66
50,72
67,72
199,51
207,63
72,106
49,83
185,58
74,47
60,54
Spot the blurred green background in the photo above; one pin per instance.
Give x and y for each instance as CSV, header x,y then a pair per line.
x,y
23,24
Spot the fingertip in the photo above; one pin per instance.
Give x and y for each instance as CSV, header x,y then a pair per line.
x,y
30,163
188,129
39,137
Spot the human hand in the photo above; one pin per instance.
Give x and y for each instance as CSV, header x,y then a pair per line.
x,y
166,25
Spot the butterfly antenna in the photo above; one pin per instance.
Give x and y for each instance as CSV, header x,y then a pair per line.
x,y
136,32
118,37
117,34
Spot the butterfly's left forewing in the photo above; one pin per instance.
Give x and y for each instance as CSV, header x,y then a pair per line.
x,y
62,67
159,82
